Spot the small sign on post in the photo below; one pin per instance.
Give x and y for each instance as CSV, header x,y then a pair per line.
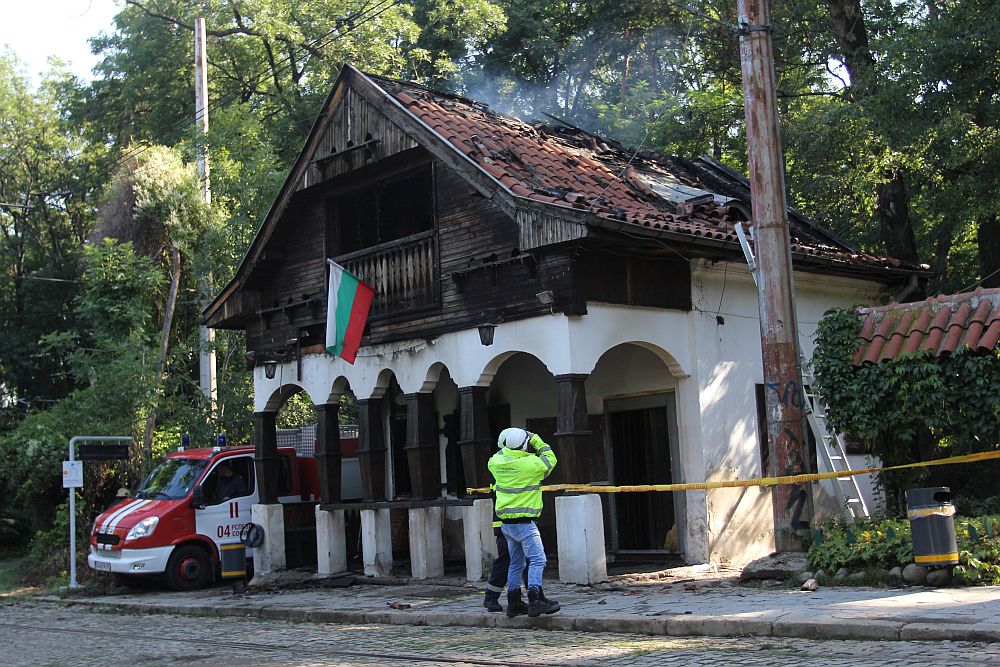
x,y
104,451
72,472
73,480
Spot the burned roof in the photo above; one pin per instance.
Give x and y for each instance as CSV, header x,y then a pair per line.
x,y
564,175
564,166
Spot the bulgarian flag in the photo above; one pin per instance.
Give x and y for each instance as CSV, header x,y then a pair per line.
x,y
348,301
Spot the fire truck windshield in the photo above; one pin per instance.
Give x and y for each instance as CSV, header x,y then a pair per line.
x,y
172,479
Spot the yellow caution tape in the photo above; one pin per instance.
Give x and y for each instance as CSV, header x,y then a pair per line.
x,y
757,481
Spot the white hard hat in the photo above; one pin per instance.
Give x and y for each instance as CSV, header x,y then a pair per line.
x,y
513,438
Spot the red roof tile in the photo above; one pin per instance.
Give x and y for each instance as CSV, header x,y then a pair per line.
x,y
567,167
940,325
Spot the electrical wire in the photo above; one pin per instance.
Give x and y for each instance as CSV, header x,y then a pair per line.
x,y
725,279
978,282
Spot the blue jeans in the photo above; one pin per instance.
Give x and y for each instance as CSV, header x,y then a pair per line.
x,y
524,542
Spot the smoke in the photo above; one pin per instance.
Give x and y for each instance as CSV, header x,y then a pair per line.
x,y
602,79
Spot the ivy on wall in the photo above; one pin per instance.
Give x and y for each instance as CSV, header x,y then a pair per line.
x,y
916,407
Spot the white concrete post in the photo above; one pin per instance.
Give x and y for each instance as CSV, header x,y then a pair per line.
x,y
269,557
580,532
480,545
376,542
426,547
331,542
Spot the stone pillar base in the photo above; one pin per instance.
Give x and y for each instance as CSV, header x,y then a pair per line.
x,y
580,531
426,548
480,546
376,542
331,542
269,557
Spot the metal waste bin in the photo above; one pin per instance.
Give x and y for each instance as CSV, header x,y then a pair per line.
x,y
234,560
932,525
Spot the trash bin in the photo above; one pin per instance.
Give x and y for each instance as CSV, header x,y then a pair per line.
x,y
932,525
234,560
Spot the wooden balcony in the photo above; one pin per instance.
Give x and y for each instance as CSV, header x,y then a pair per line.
x,y
404,273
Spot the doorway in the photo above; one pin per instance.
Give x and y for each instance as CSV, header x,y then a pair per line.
x,y
641,436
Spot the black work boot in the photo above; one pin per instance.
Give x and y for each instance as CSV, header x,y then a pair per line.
x,y
492,601
541,596
537,604
515,607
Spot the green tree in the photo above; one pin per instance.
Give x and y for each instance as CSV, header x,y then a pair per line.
x,y
47,196
155,202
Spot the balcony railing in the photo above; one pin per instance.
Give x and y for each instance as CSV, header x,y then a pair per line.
x,y
404,273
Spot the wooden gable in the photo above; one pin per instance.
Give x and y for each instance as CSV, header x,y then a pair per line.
x,y
356,133
486,256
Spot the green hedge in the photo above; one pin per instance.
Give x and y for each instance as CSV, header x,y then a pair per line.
x,y
886,543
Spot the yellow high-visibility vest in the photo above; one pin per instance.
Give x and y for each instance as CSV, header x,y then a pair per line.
x,y
519,476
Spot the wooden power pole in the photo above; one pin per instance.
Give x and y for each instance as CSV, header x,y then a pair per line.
x,y
206,335
786,432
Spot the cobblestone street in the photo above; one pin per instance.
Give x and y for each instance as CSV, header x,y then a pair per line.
x,y
40,633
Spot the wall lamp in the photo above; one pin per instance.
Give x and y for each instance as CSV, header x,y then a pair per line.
x,y
547,298
270,367
486,331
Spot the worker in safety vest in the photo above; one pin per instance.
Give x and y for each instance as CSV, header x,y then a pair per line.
x,y
523,461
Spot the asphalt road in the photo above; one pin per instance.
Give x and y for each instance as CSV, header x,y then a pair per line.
x,y
40,633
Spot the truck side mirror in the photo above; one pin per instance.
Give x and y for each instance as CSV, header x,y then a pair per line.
x,y
198,497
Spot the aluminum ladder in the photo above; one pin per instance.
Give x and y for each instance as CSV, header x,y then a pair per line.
x,y
831,444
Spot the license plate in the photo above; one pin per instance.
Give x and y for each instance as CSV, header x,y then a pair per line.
x,y
102,566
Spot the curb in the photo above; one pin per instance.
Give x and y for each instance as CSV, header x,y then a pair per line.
x,y
677,625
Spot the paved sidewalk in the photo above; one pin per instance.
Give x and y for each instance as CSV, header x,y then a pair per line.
x,y
678,602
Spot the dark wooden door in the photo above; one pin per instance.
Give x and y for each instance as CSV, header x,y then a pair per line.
x,y
640,454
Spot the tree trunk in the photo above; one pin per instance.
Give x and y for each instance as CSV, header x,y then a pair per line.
x,y
893,215
852,38
988,236
168,318
892,198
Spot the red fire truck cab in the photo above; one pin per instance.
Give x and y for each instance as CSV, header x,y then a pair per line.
x,y
192,506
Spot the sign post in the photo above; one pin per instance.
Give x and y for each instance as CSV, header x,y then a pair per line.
x,y
72,480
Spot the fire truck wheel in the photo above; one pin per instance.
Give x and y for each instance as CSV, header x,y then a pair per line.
x,y
189,568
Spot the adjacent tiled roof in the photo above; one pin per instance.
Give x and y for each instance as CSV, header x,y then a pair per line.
x,y
564,166
939,325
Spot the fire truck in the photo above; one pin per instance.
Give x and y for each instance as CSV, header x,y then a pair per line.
x,y
193,510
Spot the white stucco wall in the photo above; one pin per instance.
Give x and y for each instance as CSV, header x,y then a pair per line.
x,y
729,365
709,365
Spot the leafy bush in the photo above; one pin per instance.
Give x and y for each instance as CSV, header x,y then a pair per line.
x,y
864,544
971,506
979,551
886,543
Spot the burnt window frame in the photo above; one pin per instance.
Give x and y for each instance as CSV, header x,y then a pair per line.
x,y
374,182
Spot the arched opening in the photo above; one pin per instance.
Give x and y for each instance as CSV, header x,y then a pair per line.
x,y
522,392
634,391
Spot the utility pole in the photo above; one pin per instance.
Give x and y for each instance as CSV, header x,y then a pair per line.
x,y
206,335
786,433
